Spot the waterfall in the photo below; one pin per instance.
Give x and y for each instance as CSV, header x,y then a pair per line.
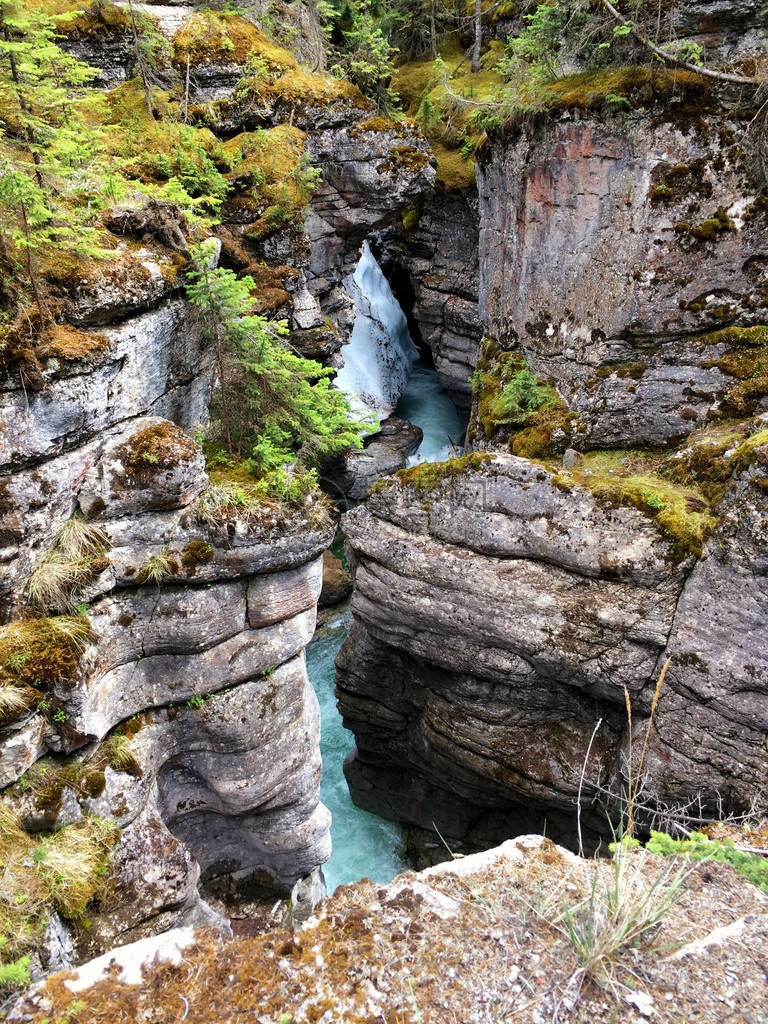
x,y
379,355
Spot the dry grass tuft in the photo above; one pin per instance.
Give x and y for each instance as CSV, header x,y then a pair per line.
x,y
77,555
55,581
621,910
118,754
15,701
62,871
157,569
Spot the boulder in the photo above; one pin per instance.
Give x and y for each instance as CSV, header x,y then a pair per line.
x,y
499,615
337,582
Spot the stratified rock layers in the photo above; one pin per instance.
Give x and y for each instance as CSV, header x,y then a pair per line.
x,y
201,672
502,608
499,615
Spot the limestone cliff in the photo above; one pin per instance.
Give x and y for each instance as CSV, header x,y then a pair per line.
x,y
505,605
160,684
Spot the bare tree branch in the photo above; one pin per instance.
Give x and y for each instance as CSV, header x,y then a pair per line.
x,y
668,58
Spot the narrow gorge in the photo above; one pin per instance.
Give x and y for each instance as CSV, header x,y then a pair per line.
x,y
383,483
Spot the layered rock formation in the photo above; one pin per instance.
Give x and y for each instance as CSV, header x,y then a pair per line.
x,y
189,655
160,683
434,269
508,609
504,606
351,477
650,238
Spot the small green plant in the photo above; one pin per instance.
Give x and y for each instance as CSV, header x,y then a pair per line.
x,y
531,58
267,672
60,715
16,973
614,102
698,846
15,662
199,700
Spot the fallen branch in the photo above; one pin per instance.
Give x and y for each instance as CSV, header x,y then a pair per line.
x,y
668,58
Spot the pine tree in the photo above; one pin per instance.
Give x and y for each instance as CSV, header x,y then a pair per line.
x,y
478,40
274,407
150,48
48,151
367,56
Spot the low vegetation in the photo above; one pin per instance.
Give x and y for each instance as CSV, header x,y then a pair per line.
x,y
48,779
681,513
752,863
276,502
62,871
77,556
35,654
511,405
425,477
157,569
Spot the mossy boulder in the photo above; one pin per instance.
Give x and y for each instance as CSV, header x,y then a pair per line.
x,y
513,407
152,465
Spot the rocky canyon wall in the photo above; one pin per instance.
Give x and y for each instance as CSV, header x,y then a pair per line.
x,y
185,650
434,267
505,603
162,685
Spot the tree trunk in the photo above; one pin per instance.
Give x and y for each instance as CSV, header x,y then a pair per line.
x,y
478,36
43,309
141,63
186,93
432,31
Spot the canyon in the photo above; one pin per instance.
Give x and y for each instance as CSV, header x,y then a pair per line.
x,y
592,302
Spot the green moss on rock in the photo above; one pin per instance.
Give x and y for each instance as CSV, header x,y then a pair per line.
x,y
35,654
511,404
196,552
709,230
427,476
682,514
746,361
162,446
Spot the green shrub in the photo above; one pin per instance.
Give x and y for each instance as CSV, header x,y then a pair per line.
x,y
700,847
16,973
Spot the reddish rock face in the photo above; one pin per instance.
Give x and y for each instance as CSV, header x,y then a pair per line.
x,y
628,241
337,582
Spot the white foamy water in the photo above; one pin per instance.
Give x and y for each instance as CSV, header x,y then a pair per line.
x,y
379,355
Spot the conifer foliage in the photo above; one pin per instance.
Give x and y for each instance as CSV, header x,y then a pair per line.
x,y
272,406
51,151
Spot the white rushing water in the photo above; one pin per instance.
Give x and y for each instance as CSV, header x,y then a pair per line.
x,y
426,403
379,355
365,845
